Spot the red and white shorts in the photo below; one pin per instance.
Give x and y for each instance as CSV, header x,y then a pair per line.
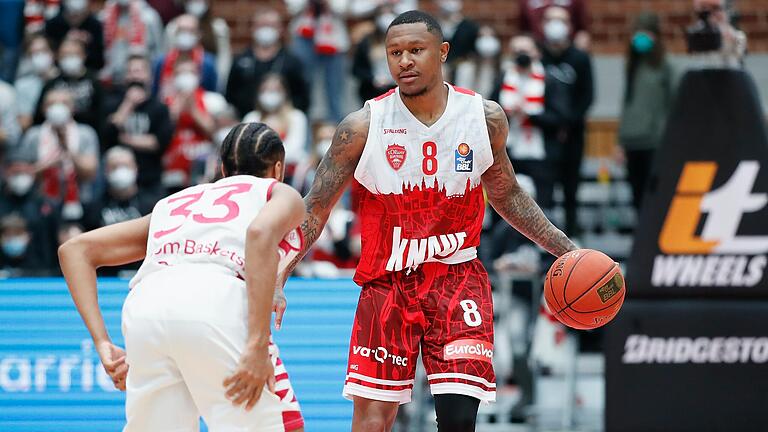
x,y
446,311
185,330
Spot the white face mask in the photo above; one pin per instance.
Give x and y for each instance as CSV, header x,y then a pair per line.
x,y
197,8
450,6
76,5
71,65
266,36
383,21
185,40
220,135
556,31
186,82
122,178
322,147
487,46
14,247
271,100
58,114
41,62
20,184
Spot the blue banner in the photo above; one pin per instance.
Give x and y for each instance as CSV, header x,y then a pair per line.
x,y
51,378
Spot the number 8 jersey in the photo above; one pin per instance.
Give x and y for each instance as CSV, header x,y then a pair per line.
x,y
419,186
207,224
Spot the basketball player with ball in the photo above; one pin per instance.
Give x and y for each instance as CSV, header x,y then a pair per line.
x,y
417,157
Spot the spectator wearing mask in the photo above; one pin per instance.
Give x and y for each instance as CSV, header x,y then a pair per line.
x,y
370,62
190,147
75,21
214,37
37,68
537,106
648,95
66,153
305,170
9,123
143,124
459,31
532,15
573,67
80,82
274,108
733,41
15,256
122,199
481,71
185,47
267,54
37,12
321,41
130,27
19,196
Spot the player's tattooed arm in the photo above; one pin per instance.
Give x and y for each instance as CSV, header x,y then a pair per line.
x,y
332,176
508,198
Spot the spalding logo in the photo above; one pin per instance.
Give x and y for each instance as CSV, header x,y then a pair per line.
x,y
559,268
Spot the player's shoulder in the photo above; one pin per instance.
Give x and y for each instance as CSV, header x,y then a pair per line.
x,y
493,109
496,121
356,123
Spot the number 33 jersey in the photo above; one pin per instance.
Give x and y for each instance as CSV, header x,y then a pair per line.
x,y
207,224
419,188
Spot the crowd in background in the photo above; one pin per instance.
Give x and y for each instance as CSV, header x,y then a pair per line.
x,y
103,112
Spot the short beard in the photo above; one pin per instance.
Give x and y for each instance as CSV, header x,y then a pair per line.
x,y
415,94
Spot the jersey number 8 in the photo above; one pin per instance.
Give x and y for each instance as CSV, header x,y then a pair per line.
x,y
429,163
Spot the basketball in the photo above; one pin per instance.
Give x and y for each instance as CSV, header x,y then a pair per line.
x,y
584,289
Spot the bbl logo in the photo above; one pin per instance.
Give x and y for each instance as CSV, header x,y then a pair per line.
x,y
463,158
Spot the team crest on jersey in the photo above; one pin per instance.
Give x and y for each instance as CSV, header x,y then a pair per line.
x,y
463,158
396,156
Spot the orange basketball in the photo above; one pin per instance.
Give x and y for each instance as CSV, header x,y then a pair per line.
x,y
584,289
463,149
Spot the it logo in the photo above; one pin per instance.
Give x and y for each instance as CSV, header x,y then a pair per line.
x,y
724,208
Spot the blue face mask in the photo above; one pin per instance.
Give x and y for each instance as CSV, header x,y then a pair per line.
x,y
642,42
15,247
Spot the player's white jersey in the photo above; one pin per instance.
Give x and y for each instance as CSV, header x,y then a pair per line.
x,y
402,153
207,224
420,184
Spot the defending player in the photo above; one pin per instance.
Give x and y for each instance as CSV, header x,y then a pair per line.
x,y
196,321
418,155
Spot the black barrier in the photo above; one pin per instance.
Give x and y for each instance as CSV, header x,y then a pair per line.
x,y
703,229
687,365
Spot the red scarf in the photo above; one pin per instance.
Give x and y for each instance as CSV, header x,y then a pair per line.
x,y
136,31
166,74
525,93
37,11
59,181
188,142
329,33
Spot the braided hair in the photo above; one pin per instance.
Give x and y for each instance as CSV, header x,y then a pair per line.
x,y
250,149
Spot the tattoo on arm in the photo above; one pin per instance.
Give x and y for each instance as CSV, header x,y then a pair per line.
x,y
508,198
332,176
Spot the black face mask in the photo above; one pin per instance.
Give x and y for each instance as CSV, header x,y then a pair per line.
x,y
139,84
523,60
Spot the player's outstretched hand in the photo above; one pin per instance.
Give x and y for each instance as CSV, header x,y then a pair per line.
x,y
246,384
113,359
279,303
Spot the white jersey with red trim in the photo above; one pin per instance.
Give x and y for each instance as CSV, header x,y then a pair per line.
x,y
418,185
207,224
